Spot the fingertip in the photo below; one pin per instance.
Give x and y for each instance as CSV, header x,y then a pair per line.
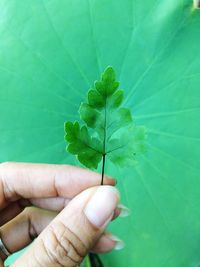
x,y
118,243
100,208
107,243
123,210
110,180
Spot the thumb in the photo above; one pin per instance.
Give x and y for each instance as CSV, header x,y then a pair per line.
x,y
69,237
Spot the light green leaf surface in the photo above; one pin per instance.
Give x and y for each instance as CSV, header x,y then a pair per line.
x,y
51,52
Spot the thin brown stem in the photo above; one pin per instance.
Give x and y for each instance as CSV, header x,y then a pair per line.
x,y
103,168
104,143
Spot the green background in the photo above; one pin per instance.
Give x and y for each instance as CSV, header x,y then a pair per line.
x,y
51,52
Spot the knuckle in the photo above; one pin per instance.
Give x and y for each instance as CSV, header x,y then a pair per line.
x,y
63,247
31,210
5,190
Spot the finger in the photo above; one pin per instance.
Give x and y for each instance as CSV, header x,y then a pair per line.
x,y
28,180
14,208
69,237
20,232
107,243
54,204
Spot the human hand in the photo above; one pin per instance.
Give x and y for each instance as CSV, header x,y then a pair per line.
x,y
62,206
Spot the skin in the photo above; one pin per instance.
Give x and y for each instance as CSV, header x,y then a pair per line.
x,y
47,202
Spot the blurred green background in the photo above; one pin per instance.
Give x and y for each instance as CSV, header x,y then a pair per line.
x,y
51,52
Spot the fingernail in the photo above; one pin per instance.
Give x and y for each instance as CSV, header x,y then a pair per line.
x,y
100,208
124,211
119,244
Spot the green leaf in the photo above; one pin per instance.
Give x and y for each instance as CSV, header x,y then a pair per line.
x,y
106,119
50,54
95,99
82,145
117,99
130,144
89,115
108,85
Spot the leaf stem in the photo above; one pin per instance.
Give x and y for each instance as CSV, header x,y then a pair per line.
x,y
103,168
104,143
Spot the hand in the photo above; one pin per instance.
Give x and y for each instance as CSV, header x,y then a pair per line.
x,y
62,206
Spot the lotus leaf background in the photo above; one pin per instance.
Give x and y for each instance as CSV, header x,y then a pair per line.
x,y
50,54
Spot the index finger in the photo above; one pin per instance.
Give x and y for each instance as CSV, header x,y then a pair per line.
x,y
30,180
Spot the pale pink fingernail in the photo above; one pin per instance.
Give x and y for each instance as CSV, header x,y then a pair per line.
x,y
124,211
119,244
